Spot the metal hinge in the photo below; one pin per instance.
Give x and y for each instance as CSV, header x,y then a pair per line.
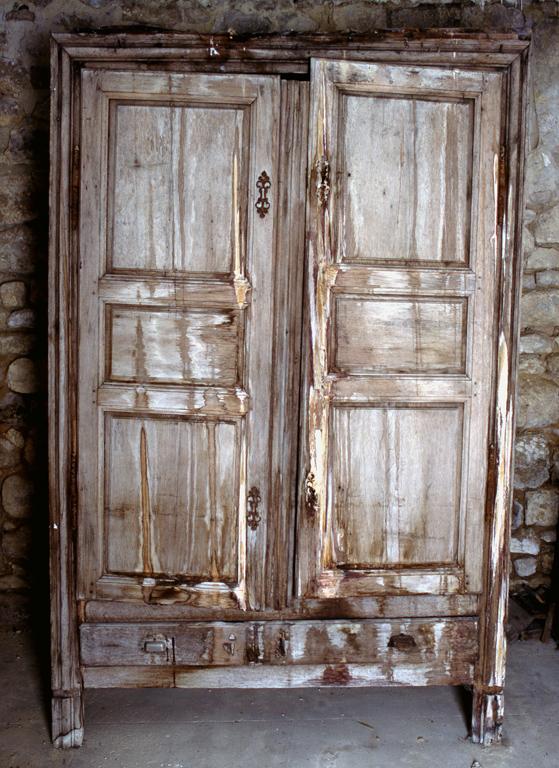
x,y
322,167
253,515
311,496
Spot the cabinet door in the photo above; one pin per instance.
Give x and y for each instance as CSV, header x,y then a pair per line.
x,y
403,263
176,307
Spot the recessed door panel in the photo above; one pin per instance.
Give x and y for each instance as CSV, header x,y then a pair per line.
x,y
172,488
178,186
375,334
407,181
396,494
187,346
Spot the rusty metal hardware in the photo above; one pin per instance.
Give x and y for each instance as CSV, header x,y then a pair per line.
x,y
311,497
402,642
282,644
230,646
263,185
322,167
157,644
253,515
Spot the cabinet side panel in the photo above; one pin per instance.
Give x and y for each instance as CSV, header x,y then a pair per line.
x,y
67,712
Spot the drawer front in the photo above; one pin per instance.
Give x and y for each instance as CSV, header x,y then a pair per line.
x,y
162,644
437,644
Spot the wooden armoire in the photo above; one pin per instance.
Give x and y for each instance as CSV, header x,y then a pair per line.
x,y
284,282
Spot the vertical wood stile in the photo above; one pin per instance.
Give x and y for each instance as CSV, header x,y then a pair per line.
x,y
67,703
488,700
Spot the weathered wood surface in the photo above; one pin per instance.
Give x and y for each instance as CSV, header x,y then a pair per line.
x,y
186,497
400,335
288,279
396,486
201,346
173,186
401,512
66,680
424,648
488,705
382,606
410,201
169,284
175,323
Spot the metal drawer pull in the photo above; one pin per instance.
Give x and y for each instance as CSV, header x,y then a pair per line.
x,y
155,646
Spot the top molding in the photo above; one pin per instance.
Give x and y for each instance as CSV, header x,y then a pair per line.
x,y
290,54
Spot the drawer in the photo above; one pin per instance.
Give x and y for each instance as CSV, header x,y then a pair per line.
x,y
439,643
200,644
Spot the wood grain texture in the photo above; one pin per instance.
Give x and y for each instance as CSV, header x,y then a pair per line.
x,y
363,607
165,499
424,647
371,347
487,717
197,346
179,186
396,495
288,279
183,504
66,681
404,187
403,335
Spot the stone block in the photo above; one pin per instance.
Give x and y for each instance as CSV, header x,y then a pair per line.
x,y
16,344
538,402
9,454
13,294
20,249
17,496
526,545
539,309
546,227
517,515
23,377
548,279
536,343
543,258
17,544
525,566
531,463
22,318
11,581
541,507
552,364
531,364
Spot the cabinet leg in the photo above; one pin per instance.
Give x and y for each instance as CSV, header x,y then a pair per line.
x,y
67,720
487,716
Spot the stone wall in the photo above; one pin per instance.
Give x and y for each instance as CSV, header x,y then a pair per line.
x,y
24,97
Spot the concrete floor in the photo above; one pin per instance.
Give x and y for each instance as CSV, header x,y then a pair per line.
x,y
330,728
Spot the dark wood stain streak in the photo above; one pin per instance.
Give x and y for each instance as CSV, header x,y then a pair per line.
x,y
181,184
337,674
213,533
146,505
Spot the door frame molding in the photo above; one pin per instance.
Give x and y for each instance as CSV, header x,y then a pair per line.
x,y
288,55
